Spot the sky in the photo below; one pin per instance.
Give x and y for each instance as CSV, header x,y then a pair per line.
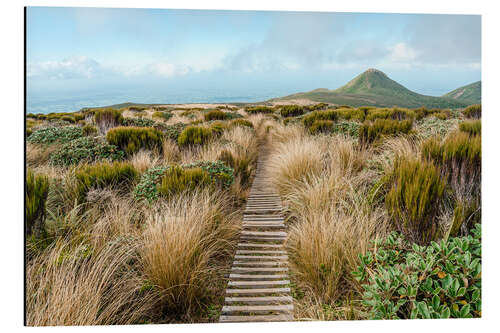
x,y
72,51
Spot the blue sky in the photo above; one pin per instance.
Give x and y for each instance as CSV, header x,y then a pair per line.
x,y
77,50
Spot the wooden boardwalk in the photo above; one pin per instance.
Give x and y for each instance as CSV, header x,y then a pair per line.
x,y
258,288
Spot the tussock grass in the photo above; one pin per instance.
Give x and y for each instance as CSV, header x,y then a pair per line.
x,y
194,135
473,111
132,139
37,189
472,127
107,118
368,133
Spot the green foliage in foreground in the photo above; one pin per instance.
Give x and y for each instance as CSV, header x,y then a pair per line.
x,y
473,111
138,122
472,127
177,179
51,135
119,174
173,131
132,139
194,135
321,126
85,149
442,280
37,189
147,188
291,110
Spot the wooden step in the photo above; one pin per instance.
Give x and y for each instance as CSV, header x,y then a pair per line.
x,y
257,308
255,319
259,269
260,252
259,245
258,291
259,300
257,276
260,263
264,233
262,225
258,284
256,257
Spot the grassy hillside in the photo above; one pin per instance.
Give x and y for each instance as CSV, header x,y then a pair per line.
x,y
373,87
469,94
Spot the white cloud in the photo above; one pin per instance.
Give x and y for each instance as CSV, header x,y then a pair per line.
x,y
401,52
70,68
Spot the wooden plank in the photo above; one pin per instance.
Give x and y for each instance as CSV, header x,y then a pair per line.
x,y
258,269
259,245
258,284
255,319
264,233
260,263
257,308
258,291
259,300
260,252
256,257
258,276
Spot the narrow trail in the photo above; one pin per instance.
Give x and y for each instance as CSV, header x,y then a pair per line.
x,y
258,288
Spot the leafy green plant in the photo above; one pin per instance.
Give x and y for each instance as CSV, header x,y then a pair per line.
x,y
85,149
132,139
173,131
473,111
37,189
351,114
441,280
138,122
51,135
414,198
147,189
194,135
222,174
291,110
104,174
348,128
472,127
368,133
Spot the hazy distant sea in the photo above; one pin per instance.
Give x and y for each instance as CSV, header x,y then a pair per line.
x,y
69,103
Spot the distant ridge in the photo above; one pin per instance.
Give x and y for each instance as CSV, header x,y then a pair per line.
x,y
374,87
470,94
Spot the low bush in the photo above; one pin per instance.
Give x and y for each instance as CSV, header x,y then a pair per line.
x,y
259,109
173,131
442,280
89,130
347,128
194,135
137,108
368,133
177,179
414,199
321,126
351,114
241,166
51,135
138,122
314,107
164,115
242,123
69,119
107,118
394,114
473,111
132,139
472,127
215,115
291,110
117,174
37,189
85,149
221,174
218,127
310,118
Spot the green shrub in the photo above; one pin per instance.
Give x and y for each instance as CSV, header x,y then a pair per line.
x,y
107,118
442,280
89,130
37,189
348,128
291,110
220,175
51,135
315,107
138,122
310,118
394,114
473,111
259,109
442,115
472,127
241,123
164,115
194,135
69,119
137,108
78,116
85,149
414,199
351,114
215,115
29,131
132,139
368,133
218,127
117,174
241,166
321,126
177,179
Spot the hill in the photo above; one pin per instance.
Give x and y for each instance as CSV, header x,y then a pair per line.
x,y
374,87
470,94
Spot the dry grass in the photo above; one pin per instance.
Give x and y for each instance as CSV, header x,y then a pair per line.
x,y
143,160
179,243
